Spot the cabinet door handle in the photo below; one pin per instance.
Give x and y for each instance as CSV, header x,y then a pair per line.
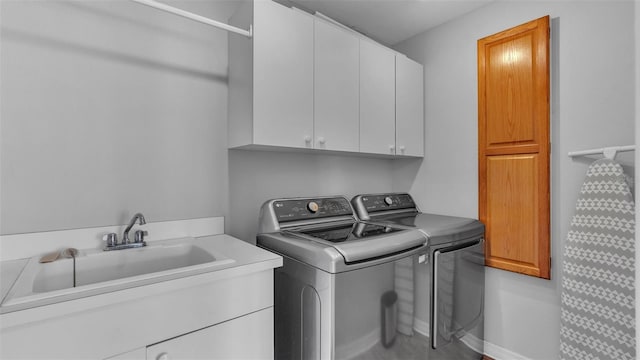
x,y
307,139
163,356
402,149
322,140
392,149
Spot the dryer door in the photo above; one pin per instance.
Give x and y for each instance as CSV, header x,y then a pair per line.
x,y
457,302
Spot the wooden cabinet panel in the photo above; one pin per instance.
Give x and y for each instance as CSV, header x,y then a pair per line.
x,y
513,147
513,88
409,107
377,99
282,76
512,211
510,92
337,89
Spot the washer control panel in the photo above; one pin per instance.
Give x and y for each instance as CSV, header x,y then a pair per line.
x,y
313,206
302,209
383,202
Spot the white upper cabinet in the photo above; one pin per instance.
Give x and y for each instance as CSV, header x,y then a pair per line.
x,y
304,81
409,107
336,84
282,76
271,77
377,98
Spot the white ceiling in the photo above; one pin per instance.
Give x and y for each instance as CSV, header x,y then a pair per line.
x,y
391,21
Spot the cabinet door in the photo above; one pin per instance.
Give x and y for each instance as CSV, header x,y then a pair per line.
x,y
246,337
409,107
282,76
513,148
377,98
336,105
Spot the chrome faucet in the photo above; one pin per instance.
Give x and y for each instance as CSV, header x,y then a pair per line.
x,y
125,236
138,241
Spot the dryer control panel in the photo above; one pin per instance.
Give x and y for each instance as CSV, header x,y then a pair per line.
x,y
385,202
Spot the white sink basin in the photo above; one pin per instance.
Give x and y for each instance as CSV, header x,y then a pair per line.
x,y
99,271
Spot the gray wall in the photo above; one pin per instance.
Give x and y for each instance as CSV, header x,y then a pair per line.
x,y
255,177
109,108
592,106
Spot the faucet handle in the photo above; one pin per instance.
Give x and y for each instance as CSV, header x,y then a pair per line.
x,y
139,235
111,239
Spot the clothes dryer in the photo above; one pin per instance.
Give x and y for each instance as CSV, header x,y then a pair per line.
x,y
455,288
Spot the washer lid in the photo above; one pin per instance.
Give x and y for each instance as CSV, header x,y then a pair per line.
x,y
358,241
439,228
346,232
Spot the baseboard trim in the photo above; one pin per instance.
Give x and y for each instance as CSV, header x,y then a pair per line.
x,y
474,343
358,346
490,350
496,352
421,327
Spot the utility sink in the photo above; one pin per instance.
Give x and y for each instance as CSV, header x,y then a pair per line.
x,y
98,271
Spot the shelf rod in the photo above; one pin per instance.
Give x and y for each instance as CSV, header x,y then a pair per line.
x,y
609,152
160,6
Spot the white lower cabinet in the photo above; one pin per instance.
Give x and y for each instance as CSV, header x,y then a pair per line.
x,y
240,338
137,354
226,314
246,337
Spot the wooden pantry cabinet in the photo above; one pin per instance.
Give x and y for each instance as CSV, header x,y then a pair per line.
x,y
305,82
514,148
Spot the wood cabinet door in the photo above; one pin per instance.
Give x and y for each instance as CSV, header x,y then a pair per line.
x,y
409,107
513,147
377,99
282,76
336,105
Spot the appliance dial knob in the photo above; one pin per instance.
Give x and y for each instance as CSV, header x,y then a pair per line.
x,y
313,206
388,200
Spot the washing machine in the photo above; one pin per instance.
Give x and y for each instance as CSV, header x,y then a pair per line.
x,y
453,276
335,295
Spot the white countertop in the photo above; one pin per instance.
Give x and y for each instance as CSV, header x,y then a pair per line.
x,y
248,259
9,272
